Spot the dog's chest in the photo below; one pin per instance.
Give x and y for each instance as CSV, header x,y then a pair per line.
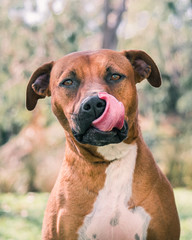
x,y
111,217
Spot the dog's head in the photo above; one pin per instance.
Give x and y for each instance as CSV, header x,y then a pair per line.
x,y
93,93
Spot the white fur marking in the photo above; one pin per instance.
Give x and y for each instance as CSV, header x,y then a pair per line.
x,y
114,151
110,217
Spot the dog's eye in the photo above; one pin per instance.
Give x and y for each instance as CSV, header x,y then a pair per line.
x,y
115,77
66,82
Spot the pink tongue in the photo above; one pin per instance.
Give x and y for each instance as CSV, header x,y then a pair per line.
x,y
113,116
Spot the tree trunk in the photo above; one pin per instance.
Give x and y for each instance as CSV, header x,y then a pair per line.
x,y
112,21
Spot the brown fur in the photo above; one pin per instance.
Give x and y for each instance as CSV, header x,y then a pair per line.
x,y
82,173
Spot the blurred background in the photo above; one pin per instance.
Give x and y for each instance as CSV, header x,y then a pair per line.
x,y
32,143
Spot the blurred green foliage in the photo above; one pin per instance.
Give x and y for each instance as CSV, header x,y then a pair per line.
x,y
32,34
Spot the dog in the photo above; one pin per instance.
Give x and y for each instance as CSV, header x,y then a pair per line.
x,y
109,186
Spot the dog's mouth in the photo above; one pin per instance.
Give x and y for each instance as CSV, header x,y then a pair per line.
x,y
100,121
96,137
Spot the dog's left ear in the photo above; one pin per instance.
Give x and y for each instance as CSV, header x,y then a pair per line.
x,y
38,86
144,67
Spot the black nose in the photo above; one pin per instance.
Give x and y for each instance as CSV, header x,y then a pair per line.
x,y
93,106
90,109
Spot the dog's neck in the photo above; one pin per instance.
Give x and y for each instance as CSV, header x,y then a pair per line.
x,y
83,151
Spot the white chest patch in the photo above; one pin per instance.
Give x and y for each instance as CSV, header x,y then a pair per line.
x,y
114,151
110,218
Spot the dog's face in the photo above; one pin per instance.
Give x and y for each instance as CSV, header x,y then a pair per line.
x,y
93,93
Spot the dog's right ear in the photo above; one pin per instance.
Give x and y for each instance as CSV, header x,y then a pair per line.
x,y
38,86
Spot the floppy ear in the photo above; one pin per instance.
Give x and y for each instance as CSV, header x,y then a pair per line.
x,y
38,86
144,67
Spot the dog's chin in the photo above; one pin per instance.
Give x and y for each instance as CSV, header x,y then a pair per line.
x,y
94,136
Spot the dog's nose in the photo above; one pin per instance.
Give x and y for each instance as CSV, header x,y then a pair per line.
x,y
93,107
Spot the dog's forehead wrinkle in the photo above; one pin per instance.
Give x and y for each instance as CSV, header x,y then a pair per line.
x,y
90,65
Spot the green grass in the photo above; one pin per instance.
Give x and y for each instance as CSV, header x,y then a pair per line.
x,y
21,216
184,205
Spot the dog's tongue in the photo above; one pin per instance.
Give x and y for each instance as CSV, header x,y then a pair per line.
x,y
113,115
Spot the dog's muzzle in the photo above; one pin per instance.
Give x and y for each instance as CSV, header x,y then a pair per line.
x,y
94,110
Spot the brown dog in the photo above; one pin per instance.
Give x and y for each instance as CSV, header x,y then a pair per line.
x,y
109,186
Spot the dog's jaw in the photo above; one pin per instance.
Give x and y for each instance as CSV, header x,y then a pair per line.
x,y
95,137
